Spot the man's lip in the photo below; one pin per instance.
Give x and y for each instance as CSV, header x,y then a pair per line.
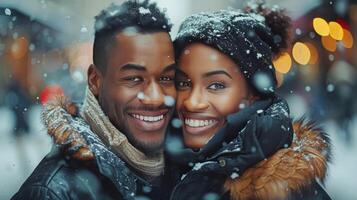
x,y
148,112
148,126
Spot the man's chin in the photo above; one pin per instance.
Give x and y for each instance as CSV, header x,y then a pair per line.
x,y
150,149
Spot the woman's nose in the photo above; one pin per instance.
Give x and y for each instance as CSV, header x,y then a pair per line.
x,y
196,101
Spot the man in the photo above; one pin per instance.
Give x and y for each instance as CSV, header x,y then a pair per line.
x,y
118,134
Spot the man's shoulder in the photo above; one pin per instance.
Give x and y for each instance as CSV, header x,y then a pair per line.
x,y
58,178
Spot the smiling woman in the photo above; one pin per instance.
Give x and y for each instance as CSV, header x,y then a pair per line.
x,y
209,89
237,131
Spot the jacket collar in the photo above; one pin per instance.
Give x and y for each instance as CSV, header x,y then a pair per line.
x,y
287,171
67,129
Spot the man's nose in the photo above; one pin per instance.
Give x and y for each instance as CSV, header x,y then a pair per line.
x,y
153,94
196,101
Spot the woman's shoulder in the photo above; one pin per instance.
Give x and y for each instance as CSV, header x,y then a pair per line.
x,y
289,170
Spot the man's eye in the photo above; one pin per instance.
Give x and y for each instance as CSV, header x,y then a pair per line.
x,y
166,78
134,79
216,86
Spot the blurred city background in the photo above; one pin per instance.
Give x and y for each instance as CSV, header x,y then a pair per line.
x,y
45,49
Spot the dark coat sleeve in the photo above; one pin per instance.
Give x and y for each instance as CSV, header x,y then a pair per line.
x,y
314,192
274,133
36,192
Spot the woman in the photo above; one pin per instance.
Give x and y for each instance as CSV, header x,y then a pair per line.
x,y
225,67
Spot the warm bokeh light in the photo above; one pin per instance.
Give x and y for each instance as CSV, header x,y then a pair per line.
x,y
321,26
50,92
347,39
279,78
19,48
314,54
283,63
336,30
301,53
329,43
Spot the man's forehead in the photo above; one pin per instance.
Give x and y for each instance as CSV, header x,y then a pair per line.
x,y
140,39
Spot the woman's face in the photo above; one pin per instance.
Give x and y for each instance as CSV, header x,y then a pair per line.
x,y
210,87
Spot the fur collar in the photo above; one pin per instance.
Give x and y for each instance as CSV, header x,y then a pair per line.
x,y
288,171
63,133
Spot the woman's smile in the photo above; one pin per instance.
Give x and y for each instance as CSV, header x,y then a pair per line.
x,y
208,91
197,125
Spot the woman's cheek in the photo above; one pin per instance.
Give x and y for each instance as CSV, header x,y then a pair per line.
x,y
226,102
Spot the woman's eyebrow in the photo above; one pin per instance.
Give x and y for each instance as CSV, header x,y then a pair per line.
x,y
211,73
179,71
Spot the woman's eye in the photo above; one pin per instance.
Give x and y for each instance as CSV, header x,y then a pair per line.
x,y
183,84
216,86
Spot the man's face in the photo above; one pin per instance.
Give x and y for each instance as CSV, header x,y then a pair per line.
x,y
138,80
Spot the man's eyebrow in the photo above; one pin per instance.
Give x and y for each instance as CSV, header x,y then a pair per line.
x,y
211,73
169,68
131,66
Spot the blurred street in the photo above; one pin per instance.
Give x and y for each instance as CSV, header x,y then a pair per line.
x,y
46,48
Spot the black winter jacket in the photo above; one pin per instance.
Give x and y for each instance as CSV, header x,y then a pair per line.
x,y
85,172
270,159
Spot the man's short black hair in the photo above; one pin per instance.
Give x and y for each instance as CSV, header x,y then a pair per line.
x,y
131,16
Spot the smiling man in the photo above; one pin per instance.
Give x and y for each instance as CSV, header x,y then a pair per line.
x,y
118,134
132,83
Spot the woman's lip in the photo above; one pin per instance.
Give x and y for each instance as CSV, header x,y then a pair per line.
x,y
198,117
199,130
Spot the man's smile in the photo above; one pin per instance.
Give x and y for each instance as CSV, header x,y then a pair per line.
x,y
148,121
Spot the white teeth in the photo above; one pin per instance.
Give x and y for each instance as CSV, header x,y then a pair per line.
x,y
198,123
148,118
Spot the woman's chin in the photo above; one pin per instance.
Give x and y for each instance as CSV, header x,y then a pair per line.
x,y
194,141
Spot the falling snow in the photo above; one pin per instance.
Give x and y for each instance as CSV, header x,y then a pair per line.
x,y
298,31
176,123
234,175
307,88
32,47
144,11
7,11
141,95
331,57
169,101
78,76
174,144
84,29
259,55
262,81
210,196
330,87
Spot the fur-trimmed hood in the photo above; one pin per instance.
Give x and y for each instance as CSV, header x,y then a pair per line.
x,y
63,133
288,171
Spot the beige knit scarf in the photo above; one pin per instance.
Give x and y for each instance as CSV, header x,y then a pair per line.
x,y
92,113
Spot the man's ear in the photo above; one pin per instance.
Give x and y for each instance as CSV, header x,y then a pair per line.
x,y
95,79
